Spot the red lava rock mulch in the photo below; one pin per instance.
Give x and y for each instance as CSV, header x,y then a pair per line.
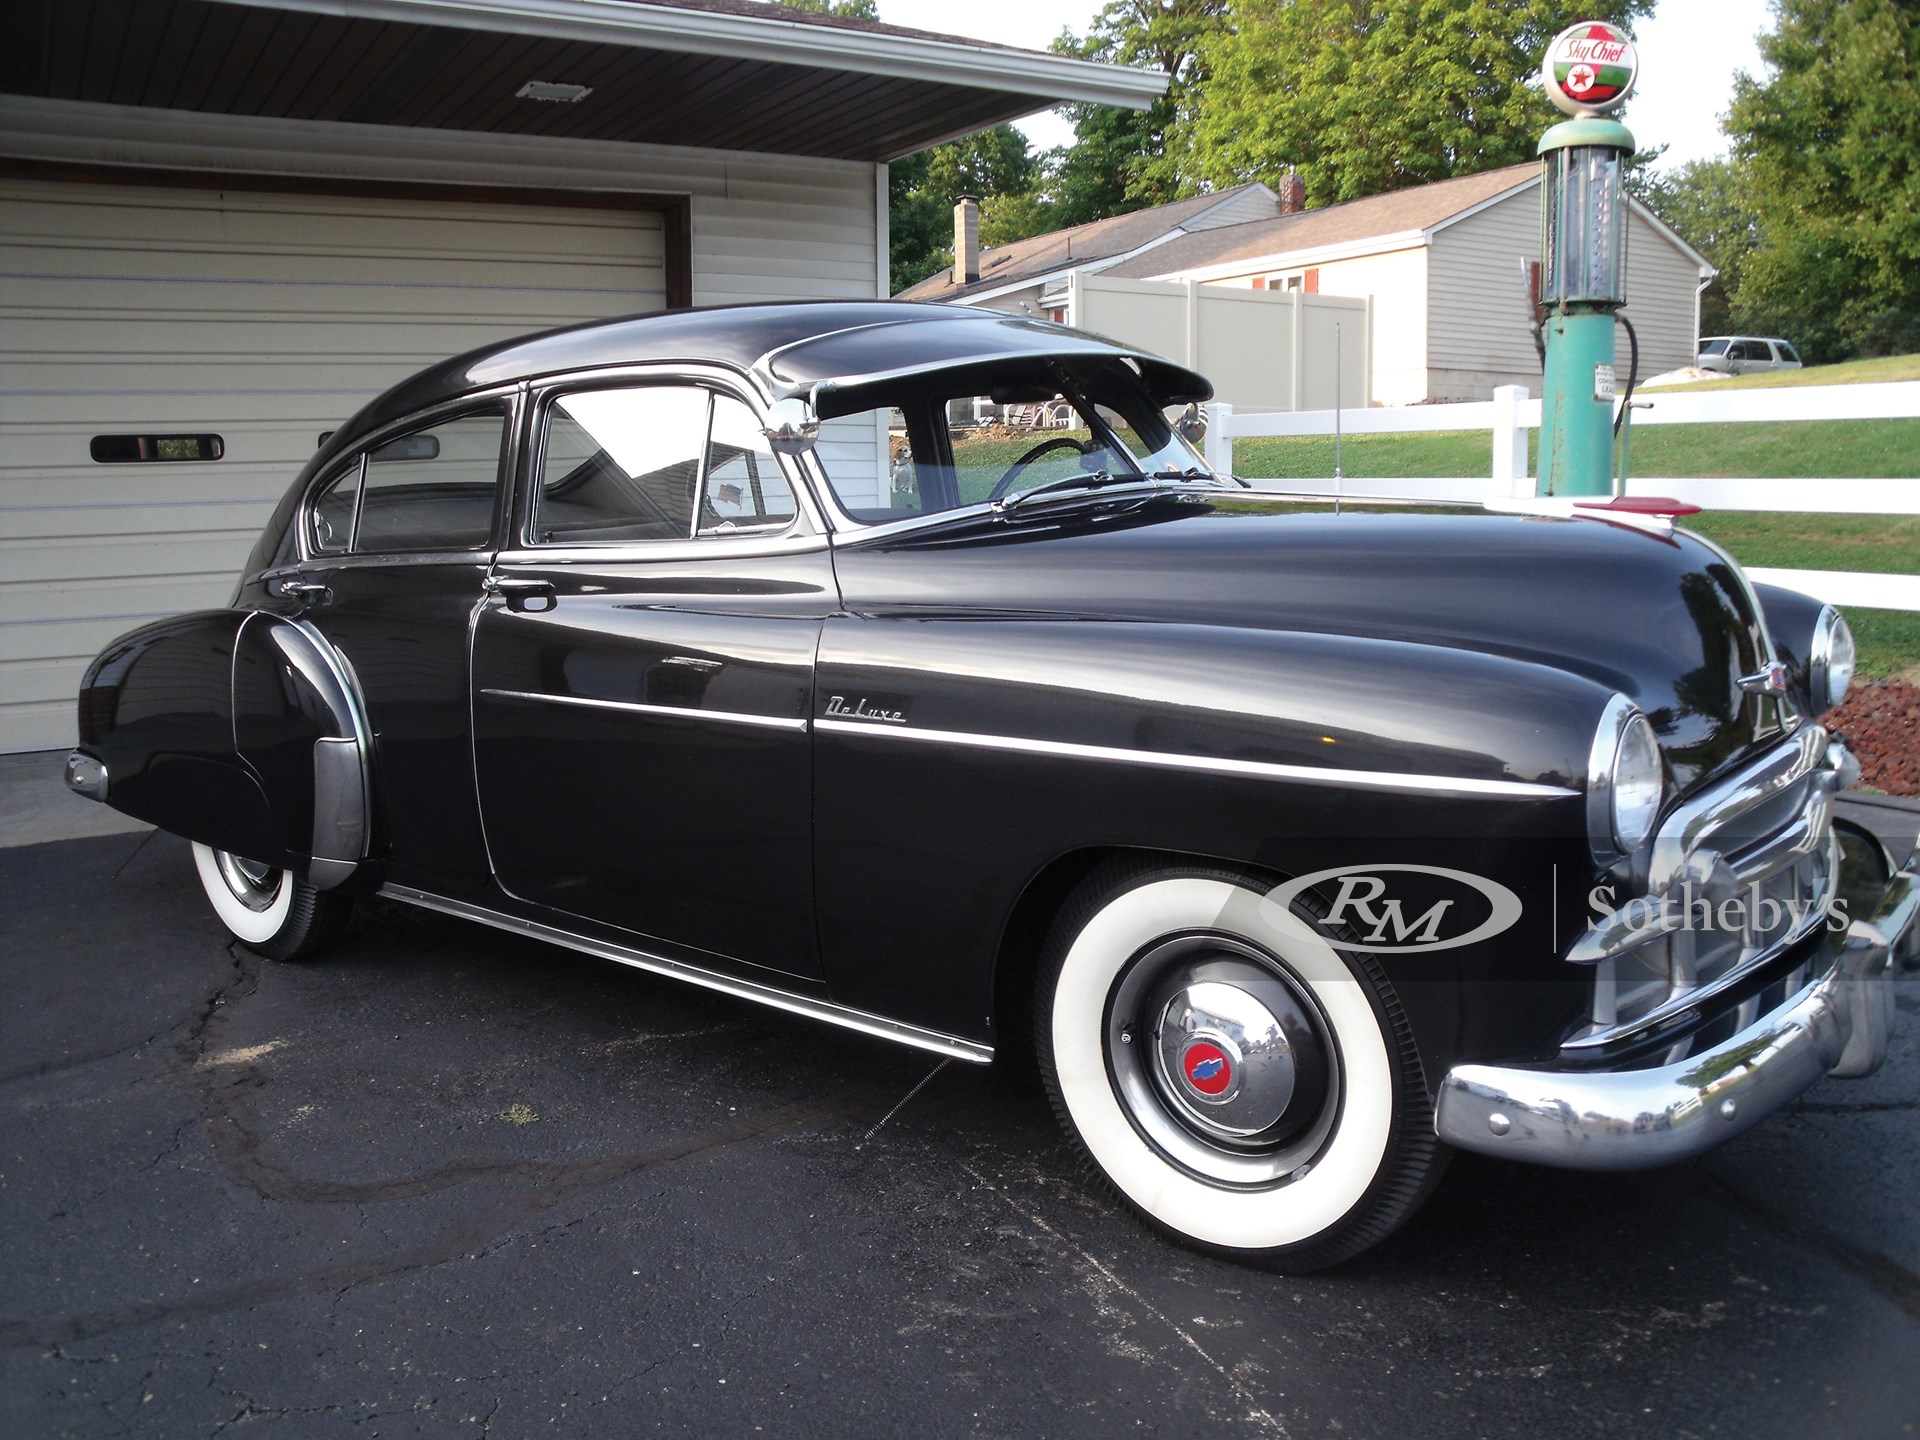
x,y
1881,720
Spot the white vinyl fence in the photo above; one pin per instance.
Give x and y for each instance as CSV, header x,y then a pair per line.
x,y
1510,414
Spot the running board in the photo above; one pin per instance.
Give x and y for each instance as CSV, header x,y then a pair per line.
x,y
950,1046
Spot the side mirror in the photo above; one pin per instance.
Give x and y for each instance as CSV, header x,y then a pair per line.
x,y
791,427
1192,425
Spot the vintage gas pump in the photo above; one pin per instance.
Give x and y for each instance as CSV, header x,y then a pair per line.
x,y
1589,72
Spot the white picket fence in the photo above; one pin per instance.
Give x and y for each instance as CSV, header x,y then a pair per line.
x,y
1507,486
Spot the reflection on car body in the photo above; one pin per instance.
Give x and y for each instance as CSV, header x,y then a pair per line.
x,y
905,668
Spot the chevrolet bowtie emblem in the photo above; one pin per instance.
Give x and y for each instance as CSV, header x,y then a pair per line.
x,y
1770,681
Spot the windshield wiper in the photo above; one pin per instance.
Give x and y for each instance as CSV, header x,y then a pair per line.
x,y
1098,480
1194,472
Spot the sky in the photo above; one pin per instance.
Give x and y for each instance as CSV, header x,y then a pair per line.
x,y
1689,52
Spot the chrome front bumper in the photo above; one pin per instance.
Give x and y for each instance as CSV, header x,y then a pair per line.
x,y
1637,1119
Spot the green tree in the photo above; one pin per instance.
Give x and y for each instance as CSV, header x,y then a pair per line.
x,y
1367,96
994,166
1830,139
1705,201
845,9
1124,160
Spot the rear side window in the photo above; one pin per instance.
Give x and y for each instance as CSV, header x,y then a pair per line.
x,y
1787,352
430,489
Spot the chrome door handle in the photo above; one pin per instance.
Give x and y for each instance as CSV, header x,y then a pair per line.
x,y
307,592
519,590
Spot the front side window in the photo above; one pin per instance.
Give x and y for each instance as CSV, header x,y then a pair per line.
x,y
655,462
430,489
742,487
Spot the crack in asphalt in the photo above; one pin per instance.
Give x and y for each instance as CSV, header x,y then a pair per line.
x,y
559,1182
1893,1280
1256,1412
233,1132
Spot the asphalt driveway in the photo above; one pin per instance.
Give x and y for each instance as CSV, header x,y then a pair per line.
x,y
446,1181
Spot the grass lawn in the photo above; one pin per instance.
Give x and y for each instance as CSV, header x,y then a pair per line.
x,y
1870,449
1852,372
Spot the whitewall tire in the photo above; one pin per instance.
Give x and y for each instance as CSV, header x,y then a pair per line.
x,y
266,909
1239,1081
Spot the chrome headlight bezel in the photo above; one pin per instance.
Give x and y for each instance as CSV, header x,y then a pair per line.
x,y
1626,782
1830,660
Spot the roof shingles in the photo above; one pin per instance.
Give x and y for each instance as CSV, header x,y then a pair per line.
x,y
1353,221
1041,255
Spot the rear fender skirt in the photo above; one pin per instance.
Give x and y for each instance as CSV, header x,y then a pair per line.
x,y
299,725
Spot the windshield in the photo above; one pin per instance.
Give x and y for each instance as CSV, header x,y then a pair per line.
x,y
1714,347
950,445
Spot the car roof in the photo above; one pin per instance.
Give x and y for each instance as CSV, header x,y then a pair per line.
x,y
790,348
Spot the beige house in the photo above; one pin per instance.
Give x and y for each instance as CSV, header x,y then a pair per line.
x,y
1444,267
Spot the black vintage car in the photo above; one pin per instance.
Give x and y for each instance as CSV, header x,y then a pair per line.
x,y
905,667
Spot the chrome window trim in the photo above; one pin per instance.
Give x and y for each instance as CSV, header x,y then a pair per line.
x,y
1257,769
543,393
953,1047
656,552
678,712
478,400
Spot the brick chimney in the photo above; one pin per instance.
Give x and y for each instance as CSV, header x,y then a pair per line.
x,y
1293,194
966,240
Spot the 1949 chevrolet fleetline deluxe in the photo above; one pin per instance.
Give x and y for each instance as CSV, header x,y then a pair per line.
x,y
775,648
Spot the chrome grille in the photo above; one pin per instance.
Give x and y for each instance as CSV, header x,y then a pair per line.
x,y
1738,873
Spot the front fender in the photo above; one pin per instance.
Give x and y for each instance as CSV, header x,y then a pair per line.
x,y
958,758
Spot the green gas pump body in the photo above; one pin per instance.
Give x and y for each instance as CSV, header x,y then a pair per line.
x,y
1582,284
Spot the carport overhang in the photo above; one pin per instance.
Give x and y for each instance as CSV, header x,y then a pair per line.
x,y
718,74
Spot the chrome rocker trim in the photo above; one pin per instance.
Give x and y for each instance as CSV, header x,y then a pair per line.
x,y
1637,1119
952,1047
1257,769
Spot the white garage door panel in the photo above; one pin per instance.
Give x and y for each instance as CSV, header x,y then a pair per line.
x,y
263,318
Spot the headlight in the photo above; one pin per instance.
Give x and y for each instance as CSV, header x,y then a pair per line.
x,y
1830,661
1625,781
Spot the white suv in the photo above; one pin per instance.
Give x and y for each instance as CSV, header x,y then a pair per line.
x,y
1746,354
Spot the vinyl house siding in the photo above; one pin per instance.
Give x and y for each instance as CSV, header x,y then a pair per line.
x,y
1477,333
266,317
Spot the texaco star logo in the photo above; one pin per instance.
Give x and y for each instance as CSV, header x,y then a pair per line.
x,y
1580,79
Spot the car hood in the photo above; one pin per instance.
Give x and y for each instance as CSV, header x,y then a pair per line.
x,y
1664,618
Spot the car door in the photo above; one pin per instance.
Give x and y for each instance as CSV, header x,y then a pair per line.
x,y
643,675
398,539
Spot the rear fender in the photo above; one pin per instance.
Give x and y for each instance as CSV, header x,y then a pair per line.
x,y
237,729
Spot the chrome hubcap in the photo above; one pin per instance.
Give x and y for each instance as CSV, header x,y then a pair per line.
x,y
1221,1060
254,885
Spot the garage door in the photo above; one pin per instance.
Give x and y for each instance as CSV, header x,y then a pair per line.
x,y
132,312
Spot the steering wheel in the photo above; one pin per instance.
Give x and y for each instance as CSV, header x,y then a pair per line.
x,y
1058,442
